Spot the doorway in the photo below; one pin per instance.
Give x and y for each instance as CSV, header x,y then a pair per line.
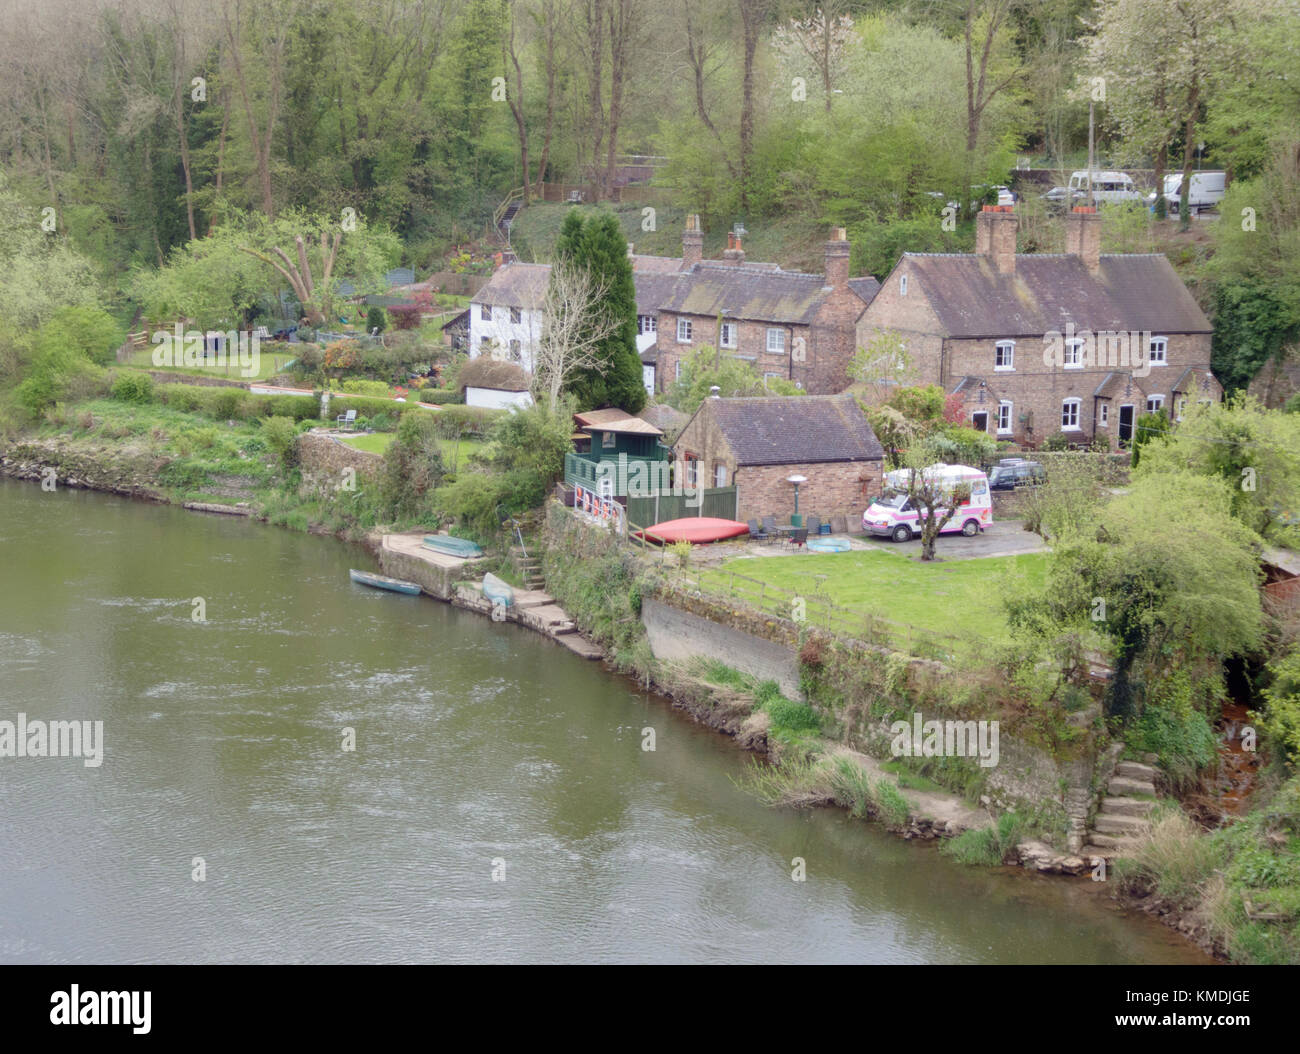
x,y
1125,432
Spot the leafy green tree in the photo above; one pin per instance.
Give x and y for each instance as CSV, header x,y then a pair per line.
x,y
412,469
936,500
598,245
703,369
1150,428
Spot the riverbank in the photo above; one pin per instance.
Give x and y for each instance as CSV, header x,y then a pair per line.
x,y
931,814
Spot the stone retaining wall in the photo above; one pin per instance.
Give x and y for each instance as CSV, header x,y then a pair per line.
x,y
324,456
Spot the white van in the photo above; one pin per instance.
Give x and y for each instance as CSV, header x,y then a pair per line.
x,y
1208,189
892,515
1107,187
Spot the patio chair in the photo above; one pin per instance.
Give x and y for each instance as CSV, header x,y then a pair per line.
x,y
798,536
769,525
756,533
346,421
814,524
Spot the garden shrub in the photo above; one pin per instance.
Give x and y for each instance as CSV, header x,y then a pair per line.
x,y
132,388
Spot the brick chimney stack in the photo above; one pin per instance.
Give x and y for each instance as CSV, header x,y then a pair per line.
x,y
995,236
735,253
1083,236
837,259
692,243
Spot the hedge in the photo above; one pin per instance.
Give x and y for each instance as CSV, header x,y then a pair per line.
x,y
439,396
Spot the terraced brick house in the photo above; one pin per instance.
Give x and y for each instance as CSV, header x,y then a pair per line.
x,y
1079,343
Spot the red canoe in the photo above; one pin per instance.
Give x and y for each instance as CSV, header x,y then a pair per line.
x,y
694,529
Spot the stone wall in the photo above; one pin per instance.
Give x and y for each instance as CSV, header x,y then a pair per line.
x,y
323,456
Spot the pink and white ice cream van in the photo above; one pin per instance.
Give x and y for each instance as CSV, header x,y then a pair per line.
x,y
892,515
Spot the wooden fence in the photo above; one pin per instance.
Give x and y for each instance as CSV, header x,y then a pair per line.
x,y
713,501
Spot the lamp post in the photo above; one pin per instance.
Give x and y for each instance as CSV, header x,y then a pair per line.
x,y
796,520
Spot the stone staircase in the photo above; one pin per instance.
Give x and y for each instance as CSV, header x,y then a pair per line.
x,y
529,568
1122,819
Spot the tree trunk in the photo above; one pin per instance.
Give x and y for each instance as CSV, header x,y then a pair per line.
x,y
1189,151
751,24
515,99
595,103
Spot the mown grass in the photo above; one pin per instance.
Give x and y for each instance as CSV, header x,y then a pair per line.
x,y
953,597
269,364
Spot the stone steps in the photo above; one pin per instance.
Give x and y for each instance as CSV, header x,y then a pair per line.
x,y
1112,841
1136,771
1118,825
1125,787
1119,806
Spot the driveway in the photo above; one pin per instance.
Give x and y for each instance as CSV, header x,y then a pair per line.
x,y
1000,538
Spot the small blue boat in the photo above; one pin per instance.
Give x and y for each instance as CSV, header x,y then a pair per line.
x,y
446,544
393,585
497,591
828,545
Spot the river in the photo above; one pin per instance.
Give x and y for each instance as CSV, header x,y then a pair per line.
x,y
479,748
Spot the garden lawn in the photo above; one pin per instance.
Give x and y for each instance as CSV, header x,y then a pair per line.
x,y
270,362
950,597
379,442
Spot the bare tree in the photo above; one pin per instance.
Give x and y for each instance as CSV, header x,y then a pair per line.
x,y
573,329
935,499
313,296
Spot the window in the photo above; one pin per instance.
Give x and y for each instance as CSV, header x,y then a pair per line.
x,y
771,377
1182,407
516,316
1074,353
677,370
728,334
645,324
776,341
516,351
1004,418
1158,351
1070,415
608,440
719,474
683,331
1103,415
902,285
692,470
1004,355
485,312
484,346
1154,403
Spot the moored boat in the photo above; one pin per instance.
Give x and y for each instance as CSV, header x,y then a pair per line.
x,y
393,585
694,529
497,591
445,543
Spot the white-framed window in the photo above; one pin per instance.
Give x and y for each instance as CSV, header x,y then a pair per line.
x,y
1004,417
902,285
516,351
1154,403
485,312
1158,351
516,316
485,345
1073,356
1004,355
677,370
646,324
719,474
776,341
1103,415
683,331
728,335
1182,406
692,470
1070,415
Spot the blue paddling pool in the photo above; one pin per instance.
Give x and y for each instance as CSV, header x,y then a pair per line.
x,y
828,545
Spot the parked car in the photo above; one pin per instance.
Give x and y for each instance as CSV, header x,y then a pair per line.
x,y
892,515
1208,189
1064,197
1016,472
1107,187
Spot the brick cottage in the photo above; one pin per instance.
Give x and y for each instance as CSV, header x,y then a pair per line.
x,y
756,444
1078,343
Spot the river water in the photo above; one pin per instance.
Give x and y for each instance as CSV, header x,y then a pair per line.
x,y
479,748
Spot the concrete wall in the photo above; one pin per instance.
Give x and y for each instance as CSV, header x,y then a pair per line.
x,y
496,398
677,635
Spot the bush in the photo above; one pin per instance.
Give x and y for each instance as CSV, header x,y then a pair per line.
x,y
456,421
441,396
357,386
1057,441
376,320
412,469
788,715
405,316
473,501
132,388
226,403
1182,738
281,437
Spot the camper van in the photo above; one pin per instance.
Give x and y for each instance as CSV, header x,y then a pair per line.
x,y
1107,187
892,515
1207,191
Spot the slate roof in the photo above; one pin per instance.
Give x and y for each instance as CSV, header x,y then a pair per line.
x,y
1130,291
1190,379
1115,385
866,287
795,429
521,285
652,289
656,264
748,292
651,354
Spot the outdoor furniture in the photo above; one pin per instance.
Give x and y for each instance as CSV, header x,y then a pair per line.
x,y
814,524
756,533
769,525
347,420
797,536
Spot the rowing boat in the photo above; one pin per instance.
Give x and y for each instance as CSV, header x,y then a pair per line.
x,y
445,543
497,591
694,529
393,585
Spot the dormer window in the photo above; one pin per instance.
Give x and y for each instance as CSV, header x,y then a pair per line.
x,y
1004,355
1073,354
